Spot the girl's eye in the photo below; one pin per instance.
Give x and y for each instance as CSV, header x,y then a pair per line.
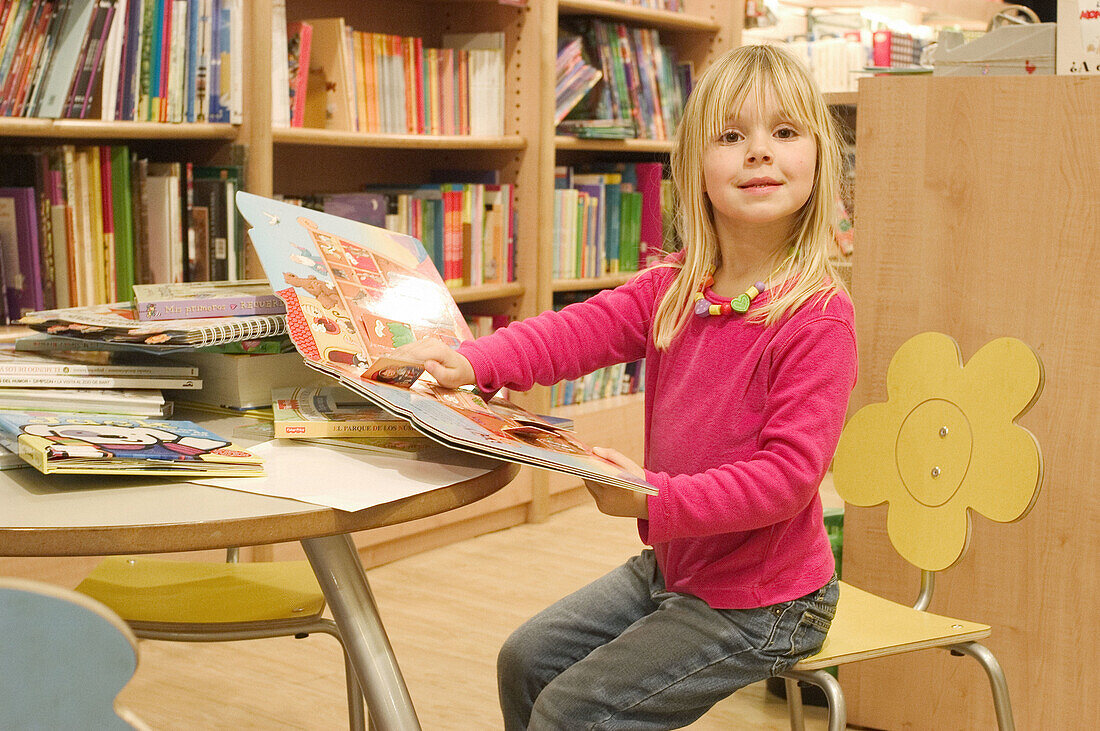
x,y
729,137
786,133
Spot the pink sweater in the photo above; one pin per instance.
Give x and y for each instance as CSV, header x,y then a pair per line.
x,y
741,423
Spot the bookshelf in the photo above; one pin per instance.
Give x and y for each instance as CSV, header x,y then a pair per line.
x,y
301,161
703,31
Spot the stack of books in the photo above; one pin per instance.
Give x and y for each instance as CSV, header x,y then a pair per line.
x,y
642,80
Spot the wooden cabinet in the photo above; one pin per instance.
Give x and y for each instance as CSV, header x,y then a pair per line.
x,y
978,218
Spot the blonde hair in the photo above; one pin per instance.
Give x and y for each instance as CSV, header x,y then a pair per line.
x,y
717,97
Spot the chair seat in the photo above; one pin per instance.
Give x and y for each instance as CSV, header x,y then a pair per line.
x,y
868,626
143,590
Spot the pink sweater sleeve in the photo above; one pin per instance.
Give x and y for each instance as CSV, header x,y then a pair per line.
x,y
812,371
611,327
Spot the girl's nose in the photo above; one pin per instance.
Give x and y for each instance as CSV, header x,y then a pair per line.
x,y
758,154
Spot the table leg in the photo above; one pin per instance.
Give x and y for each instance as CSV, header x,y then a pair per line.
x,y
344,582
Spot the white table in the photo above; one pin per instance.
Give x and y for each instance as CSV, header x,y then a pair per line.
x,y
96,516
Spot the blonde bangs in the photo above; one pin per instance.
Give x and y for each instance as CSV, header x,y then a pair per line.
x,y
718,98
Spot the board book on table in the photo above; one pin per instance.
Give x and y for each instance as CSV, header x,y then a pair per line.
x,y
73,443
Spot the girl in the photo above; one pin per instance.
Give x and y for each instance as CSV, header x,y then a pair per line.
x,y
743,413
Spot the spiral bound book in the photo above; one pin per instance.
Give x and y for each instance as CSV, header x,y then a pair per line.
x,y
118,323
354,293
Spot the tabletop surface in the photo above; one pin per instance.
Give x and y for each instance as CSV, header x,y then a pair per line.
x,y
88,515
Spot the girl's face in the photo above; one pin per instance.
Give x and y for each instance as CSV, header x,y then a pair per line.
x,y
759,171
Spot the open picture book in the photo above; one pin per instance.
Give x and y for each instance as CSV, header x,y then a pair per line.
x,y
354,293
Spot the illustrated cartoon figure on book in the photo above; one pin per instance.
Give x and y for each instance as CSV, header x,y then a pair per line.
x,y
104,443
354,293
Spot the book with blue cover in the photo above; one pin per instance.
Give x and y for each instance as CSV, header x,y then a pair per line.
x,y
73,443
354,293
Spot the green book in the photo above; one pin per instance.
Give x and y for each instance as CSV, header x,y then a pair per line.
x,y
123,205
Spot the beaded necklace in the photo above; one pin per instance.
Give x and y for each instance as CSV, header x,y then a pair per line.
x,y
739,304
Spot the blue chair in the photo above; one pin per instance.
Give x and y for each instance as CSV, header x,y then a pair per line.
x,y
64,658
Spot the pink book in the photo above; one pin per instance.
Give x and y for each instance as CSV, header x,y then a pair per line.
x,y
649,185
447,84
299,40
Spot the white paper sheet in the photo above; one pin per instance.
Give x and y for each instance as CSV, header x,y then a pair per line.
x,y
346,479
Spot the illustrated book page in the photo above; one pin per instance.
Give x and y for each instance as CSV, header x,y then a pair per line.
x,y
72,443
354,293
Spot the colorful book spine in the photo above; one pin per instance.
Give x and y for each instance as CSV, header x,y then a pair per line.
x,y
299,43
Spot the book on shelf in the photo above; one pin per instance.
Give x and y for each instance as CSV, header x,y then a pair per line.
x,y
280,66
134,402
117,323
133,60
331,411
354,293
575,78
244,381
72,443
642,80
19,239
598,129
299,46
484,80
190,300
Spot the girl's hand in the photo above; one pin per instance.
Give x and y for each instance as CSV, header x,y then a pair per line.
x,y
619,501
445,365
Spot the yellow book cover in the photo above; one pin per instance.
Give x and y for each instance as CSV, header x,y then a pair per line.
x,y
360,79
71,443
332,412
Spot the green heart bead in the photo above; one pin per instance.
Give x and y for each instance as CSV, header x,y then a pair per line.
x,y
741,304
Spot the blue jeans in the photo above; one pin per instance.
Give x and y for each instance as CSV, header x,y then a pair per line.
x,y
624,653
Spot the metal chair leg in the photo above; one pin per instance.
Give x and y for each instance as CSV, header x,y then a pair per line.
x,y
794,704
997,682
838,712
356,718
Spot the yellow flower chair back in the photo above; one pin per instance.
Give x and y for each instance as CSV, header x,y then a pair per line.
x,y
944,443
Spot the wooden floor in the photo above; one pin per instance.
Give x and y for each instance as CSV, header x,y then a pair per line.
x,y
446,611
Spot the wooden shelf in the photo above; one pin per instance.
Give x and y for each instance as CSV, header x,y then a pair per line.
x,y
487,292
579,285
573,143
975,11
661,19
99,130
331,138
842,98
